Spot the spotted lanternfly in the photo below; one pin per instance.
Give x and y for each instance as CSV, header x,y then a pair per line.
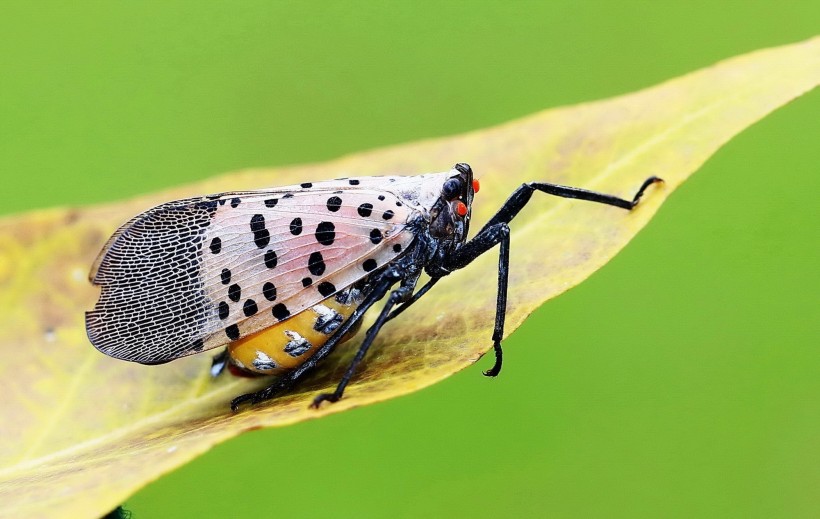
x,y
282,276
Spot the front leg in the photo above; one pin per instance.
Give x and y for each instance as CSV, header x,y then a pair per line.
x,y
496,231
522,195
486,239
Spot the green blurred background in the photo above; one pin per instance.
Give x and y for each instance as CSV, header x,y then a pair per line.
x,y
680,381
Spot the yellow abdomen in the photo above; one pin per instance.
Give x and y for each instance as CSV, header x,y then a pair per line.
x,y
286,345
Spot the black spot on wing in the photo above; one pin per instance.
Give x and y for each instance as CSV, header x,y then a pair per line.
x,y
257,223
326,288
271,260
234,293
326,233
316,264
365,210
261,236
249,308
369,265
296,226
232,332
269,291
334,203
216,245
280,312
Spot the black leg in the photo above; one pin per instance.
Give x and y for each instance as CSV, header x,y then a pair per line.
x,y
501,300
496,231
522,195
486,239
418,295
395,297
287,381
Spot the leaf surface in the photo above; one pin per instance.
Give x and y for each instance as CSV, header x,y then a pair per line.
x,y
81,431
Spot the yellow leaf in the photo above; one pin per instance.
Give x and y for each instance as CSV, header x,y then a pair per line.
x,y
81,431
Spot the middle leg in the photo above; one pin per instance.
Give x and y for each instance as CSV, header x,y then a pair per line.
x,y
397,296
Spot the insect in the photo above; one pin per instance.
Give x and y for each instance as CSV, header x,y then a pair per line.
x,y
282,276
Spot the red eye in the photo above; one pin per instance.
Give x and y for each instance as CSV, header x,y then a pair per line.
x,y
476,186
461,209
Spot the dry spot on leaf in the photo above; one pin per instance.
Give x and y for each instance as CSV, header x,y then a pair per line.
x,y
81,431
